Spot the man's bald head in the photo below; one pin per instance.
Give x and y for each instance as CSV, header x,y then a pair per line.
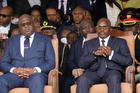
x,y
6,16
104,20
8,10
26,26
103,28
25,16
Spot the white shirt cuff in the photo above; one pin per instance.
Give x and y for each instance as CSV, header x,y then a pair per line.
x,y
38,69
12,69
112,53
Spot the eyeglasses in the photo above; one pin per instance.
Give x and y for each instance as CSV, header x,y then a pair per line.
x,y
102,27
4,16
27,23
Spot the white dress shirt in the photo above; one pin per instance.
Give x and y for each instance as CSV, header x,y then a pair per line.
x,y
112,13
34,2
64,4
4,3
84,39
90,1
22,39
5,30
106,42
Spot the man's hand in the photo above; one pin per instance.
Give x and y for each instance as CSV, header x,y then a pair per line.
x,y
18,71
29,70
99,52
24,72
103,51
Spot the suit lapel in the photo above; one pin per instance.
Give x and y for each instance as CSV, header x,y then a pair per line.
x,y
110,42
18,46
34,44
97,43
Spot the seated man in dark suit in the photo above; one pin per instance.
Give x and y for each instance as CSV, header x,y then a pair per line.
x,y
27,59
104,59
86,27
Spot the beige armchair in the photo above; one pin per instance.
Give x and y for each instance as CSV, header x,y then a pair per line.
x,y
138,88
52,86
138,85
127,86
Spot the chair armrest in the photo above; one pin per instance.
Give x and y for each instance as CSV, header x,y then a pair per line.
x,y
77,72
130,71
53,80
52,76
138,69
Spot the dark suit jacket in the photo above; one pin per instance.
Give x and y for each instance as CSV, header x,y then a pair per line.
x,y
71,4
98,9
137,51
41,54
63,57
120,59
75,54
11,27
23,6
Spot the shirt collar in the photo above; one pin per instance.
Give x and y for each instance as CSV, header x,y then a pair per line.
x,y
6,26
105,39
31,36
136,36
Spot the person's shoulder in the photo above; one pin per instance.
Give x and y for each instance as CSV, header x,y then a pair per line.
x,y
14,37
120,40
117,38
41,37
92,40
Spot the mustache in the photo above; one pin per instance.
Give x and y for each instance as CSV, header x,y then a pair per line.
x,y
102,32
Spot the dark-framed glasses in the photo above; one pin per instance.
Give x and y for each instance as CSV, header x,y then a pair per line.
x,y
4,15
102,27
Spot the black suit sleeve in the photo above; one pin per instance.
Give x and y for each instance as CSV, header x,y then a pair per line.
x,y
71,59
123,56
87,58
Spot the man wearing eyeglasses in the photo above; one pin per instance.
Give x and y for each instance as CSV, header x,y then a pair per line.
x,y
104,59
6,14
27,60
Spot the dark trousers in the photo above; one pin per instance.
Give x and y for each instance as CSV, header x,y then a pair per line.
x,y
35,82
64,83
111,77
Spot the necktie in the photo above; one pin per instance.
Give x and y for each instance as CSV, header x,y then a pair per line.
x,y
103,42
62,6
26,47
103,64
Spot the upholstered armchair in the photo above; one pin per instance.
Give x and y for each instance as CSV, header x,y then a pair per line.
x,y
128,85
138,88
138,84
52,86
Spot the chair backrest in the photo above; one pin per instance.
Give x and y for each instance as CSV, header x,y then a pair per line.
x,y
55,46
55,73
129,37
